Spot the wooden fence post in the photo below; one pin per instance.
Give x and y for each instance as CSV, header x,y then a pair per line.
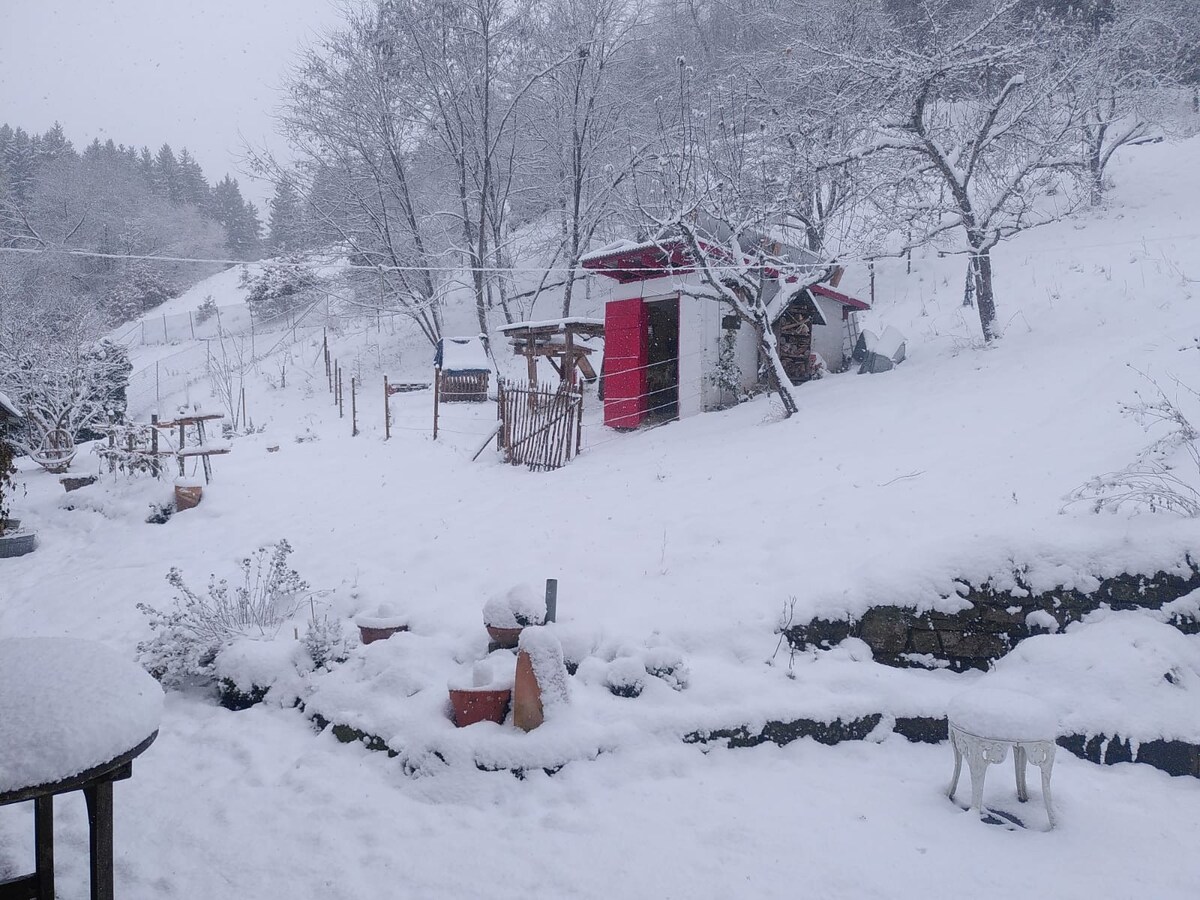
x,y
340,403
154,465
353,406
191,325
437,389
387,410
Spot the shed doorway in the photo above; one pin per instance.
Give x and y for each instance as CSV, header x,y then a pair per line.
x,y
662,361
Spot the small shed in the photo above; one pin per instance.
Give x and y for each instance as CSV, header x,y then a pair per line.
x,y
669,355
463,370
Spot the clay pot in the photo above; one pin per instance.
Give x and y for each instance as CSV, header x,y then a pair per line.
x,y
370,635
188,497
504,638
473,705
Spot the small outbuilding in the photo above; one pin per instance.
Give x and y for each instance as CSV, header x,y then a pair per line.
x,y
463,370
668,355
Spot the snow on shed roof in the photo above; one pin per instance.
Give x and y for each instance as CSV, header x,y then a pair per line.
x,y
462,354
7,406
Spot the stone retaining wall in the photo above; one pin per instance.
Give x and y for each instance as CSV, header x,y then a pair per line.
x,y
995,622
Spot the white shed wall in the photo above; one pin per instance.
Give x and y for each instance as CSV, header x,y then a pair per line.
x,y
827,339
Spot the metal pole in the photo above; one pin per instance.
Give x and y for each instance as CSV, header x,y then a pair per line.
x,y
437,390
551,599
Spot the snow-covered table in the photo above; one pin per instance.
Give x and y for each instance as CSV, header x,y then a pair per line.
x,y
985,723
73,716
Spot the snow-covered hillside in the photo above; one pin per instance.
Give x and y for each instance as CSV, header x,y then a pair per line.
x,y
692,537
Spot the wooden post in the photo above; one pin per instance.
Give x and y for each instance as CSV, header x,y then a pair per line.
x,y
166,337
325,349
340,403
191,325
353,406
551,599
245,419
579,426
182,444
569,358
437,390
157,389
871,269
154,465
387,410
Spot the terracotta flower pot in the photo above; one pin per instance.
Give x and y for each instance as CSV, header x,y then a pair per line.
x,y
187,497
369,634
504,638
471,705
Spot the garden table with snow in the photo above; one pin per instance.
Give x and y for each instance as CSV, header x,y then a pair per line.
x,y
73,716
985,723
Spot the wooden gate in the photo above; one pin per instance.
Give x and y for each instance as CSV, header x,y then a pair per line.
x,y
539,428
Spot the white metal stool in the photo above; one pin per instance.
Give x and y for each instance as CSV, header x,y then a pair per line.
x,y
985,723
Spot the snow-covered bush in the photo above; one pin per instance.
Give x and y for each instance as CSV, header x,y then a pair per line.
x,y
188,637
626,677
6,472
206,310
326,642
518,607
278,289
1150,481
127,450
667,665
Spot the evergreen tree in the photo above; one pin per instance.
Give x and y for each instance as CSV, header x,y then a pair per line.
x,y
166,174
239,218
53,145
146,165
19,164
285,223
193,187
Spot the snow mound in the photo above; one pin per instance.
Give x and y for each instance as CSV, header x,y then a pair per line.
x,y
1116,673
515,608
67,706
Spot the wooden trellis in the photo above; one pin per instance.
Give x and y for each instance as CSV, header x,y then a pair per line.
x,y
539,428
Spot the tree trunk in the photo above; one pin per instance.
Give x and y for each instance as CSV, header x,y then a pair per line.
x,y
985,299
769,347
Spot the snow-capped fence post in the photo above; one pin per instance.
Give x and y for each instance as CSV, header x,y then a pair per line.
x,y
437,390
551,599
353,406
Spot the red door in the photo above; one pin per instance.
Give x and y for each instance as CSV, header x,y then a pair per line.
x,y
626,352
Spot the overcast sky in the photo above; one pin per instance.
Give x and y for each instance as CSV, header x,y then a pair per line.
x,y
194,73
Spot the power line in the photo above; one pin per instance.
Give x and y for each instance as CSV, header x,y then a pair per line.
x,y
630,270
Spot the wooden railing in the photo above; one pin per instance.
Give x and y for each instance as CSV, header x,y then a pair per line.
x,y
539,427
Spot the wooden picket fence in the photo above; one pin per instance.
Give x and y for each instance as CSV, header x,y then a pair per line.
x,y
539,427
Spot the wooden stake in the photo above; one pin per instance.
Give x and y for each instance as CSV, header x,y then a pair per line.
x,y
353,406
340,402
437,390
387,410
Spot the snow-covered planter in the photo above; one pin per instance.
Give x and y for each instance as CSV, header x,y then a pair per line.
x,y
14,542
485,698
380,624
188,493
506,614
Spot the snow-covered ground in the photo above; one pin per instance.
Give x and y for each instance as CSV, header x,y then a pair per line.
x,y
692,537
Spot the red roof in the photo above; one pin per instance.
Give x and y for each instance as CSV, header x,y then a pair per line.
x,y
641,262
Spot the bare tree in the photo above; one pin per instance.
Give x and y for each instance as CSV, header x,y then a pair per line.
x,y
975,115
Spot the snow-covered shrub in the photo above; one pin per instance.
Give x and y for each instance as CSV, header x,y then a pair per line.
x,y
126,449
1150,481
6,472
247,668
206,310
326,642
188,637
626,677
278,289
668,665
518,607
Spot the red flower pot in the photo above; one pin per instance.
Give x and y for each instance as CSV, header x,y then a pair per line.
x,y
370,635
504,637
479,705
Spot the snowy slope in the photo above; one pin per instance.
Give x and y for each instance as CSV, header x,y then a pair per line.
x,y
692,536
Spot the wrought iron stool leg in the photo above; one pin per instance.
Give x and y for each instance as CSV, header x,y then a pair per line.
x,y
99,798
1019,765
957,769
43,838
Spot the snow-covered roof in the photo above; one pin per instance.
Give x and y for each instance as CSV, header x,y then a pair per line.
x,y
560,324
8,407
462,354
